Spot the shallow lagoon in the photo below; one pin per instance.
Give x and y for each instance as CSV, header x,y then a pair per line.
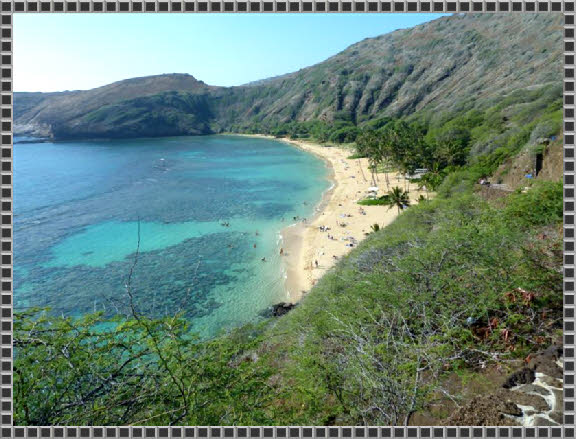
x,y
77,206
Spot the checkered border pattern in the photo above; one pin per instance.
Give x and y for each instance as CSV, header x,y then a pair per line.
x,y
9,7
6,11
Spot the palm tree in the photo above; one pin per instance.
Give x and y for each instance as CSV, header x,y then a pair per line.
x,y
367,145
433,178
399,198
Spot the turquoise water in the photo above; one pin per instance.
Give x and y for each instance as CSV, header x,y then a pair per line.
x,y
80,207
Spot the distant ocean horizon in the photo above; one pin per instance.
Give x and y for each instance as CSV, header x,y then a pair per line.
x,y
208,209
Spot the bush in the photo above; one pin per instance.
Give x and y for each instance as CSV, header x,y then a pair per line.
x,y
344,135
545,129
541,204
376,202
437,265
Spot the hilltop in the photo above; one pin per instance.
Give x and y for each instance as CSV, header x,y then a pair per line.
x,y
107,110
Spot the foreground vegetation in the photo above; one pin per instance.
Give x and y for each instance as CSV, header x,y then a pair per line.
x,y
452,285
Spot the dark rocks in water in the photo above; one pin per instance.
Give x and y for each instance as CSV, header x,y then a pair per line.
x,y
279,309
523,376
162,283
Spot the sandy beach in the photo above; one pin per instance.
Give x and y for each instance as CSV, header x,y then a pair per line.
x,y
310,251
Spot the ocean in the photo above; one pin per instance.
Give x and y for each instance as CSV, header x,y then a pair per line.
x,y
190,217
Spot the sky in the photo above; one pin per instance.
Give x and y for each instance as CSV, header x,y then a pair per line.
x,y
56,52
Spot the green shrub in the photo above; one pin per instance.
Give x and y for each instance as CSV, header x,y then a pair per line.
x,y
375,202
541,204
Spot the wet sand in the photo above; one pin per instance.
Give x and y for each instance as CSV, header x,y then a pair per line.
x,y
305,244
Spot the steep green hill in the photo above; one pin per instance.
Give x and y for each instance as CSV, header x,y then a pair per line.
x,y
449,65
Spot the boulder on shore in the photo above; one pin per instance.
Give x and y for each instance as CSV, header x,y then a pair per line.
x,y
279,309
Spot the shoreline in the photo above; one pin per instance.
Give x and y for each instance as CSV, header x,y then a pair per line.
x,y
305,243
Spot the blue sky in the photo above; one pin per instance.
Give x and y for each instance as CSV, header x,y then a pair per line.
x,y
54,52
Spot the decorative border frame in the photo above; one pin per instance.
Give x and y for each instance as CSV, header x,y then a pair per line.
x,y
279,6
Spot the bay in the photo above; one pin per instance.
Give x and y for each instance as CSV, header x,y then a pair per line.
x,y
191,217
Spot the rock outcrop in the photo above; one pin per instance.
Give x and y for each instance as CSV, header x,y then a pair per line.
x,y
531,396
279,309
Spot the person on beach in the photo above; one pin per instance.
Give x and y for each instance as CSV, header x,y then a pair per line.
x,y
316,262
281,251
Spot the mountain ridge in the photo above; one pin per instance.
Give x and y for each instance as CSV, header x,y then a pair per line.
x,y
447,65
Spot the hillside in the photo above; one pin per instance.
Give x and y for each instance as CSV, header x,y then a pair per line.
x,y
91,111
423,68
449,65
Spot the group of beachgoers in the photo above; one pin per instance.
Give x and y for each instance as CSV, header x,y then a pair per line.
x,y
263,259
351,241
